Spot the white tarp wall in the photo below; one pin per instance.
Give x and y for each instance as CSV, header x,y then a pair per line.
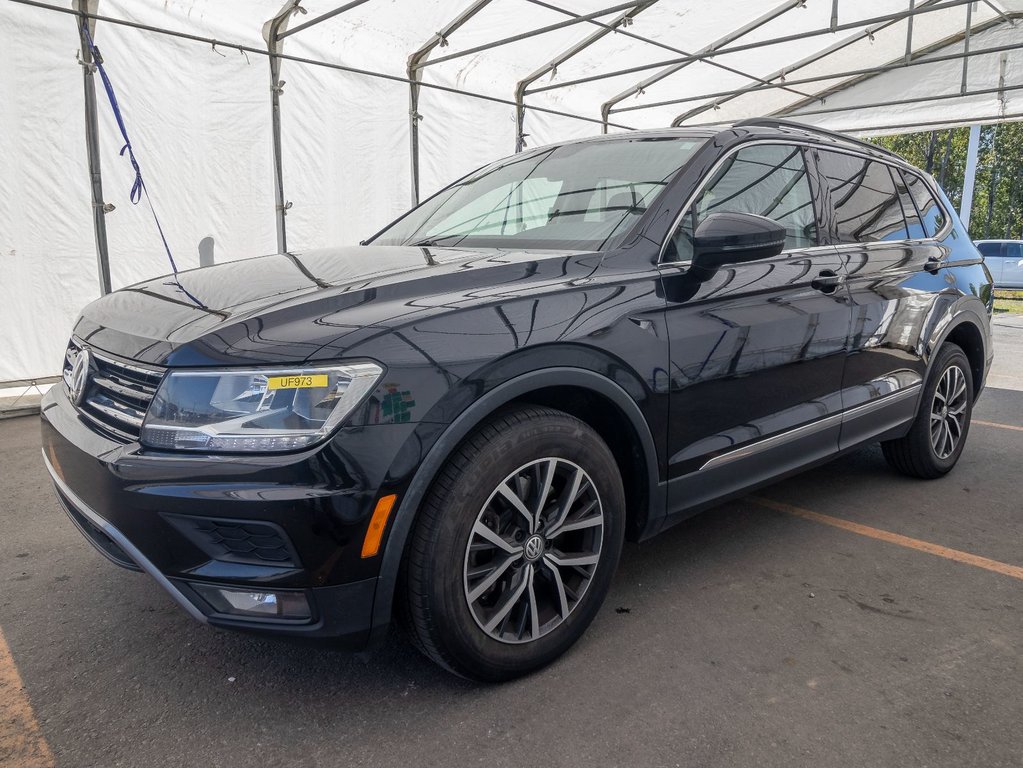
x,y
199,117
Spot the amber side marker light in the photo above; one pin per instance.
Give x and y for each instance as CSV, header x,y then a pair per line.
x,y
377,525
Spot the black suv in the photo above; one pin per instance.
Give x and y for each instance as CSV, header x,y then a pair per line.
x,y
460,422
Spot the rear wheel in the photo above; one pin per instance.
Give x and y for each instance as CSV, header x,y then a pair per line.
x,y
514,548
935,441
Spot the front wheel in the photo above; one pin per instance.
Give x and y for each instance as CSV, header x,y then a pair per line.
x,y
936,439
515,546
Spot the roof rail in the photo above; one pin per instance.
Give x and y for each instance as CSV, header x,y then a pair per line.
x,y
774,122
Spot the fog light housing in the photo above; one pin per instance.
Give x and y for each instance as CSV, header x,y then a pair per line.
x,y
255,603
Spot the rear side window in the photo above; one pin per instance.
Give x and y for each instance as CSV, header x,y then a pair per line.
x,y
931,213
866,202
765,179
990,249
914,227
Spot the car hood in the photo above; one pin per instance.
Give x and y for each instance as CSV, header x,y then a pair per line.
x,y
310,305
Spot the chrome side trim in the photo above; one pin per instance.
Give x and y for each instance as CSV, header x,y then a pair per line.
x,y
119,538
808,429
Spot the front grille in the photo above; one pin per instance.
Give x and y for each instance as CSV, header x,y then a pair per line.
x,y
117,392
237,541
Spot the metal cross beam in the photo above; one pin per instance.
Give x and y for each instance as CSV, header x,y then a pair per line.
x,y
945,4
656,43
605,108
920,57
866,71
561,58
804,62
533,33
328,15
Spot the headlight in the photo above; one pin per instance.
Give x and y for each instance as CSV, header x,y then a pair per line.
x,y
264,409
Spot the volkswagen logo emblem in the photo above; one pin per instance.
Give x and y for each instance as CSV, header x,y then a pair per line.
x,y
534,548
80,376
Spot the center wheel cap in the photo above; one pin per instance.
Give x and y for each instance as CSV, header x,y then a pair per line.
x,y
533,548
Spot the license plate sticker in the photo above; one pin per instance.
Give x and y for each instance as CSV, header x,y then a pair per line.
x,y
296,382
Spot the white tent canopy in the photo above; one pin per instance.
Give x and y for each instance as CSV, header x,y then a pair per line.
x,y
495,74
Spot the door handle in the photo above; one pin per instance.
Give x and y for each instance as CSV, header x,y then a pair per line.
x,y
827,281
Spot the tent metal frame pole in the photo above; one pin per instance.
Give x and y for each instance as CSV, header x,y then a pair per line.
x,y
323,17
869,32
551,66
893,103
274,46
866,71
891,17
656,43
413,69
532,33
711,49
909,33
966,47
877,130
920,55
243,48
970,176
99,208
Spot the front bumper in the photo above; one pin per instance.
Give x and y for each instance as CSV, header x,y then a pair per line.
x,y
301,517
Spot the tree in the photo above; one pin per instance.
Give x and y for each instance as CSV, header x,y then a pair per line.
x,y
998,192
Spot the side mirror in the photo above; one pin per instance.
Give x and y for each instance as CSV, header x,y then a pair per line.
x,y
733,238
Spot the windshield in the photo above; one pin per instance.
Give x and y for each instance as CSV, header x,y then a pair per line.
x,y
576,197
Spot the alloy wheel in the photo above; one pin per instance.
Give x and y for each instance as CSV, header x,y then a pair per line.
x,y
533,550
948,412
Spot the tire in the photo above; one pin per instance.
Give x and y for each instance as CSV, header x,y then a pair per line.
x,y
481,576
935,441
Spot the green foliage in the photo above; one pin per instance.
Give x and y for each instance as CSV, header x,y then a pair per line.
x,y
998,193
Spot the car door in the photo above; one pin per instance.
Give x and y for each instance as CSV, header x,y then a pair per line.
x,y
892,261
1011,273
993,252
756,349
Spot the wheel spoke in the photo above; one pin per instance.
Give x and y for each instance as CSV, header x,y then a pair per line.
x,y
578,525
495,574
505,490
534,612
960,385
510,601
559,584
570,560
568,497
545,491
494,538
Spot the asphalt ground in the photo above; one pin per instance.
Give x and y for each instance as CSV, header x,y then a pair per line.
x,y
845,617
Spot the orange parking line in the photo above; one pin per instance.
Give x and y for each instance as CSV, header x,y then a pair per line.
x,y
996,424
21,742
958,556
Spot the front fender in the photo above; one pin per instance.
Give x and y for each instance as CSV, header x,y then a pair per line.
x,y
435,443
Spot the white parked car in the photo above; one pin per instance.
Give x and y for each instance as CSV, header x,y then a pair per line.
x,y
1005,260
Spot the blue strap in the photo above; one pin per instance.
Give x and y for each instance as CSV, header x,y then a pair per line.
x,y
138,189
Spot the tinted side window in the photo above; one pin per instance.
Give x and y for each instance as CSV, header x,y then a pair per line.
x,y
990,249
866,202
914,227
766,179
931,213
